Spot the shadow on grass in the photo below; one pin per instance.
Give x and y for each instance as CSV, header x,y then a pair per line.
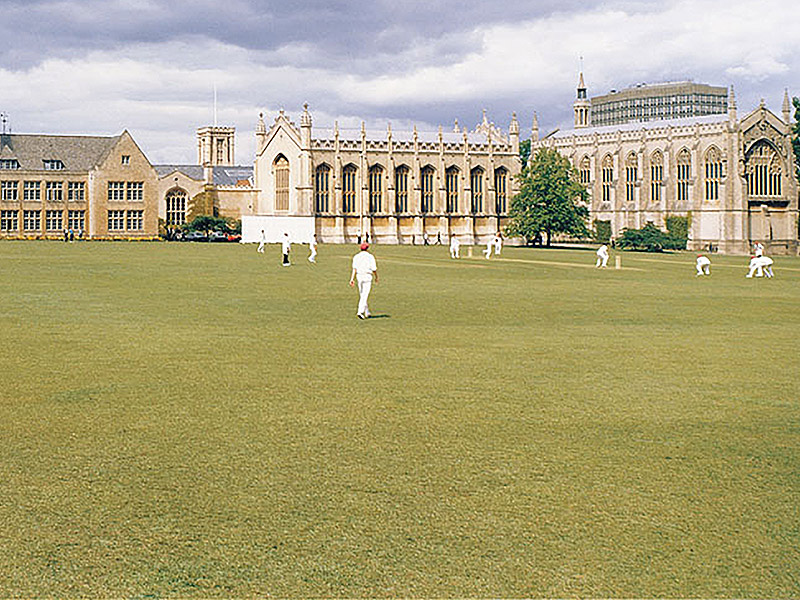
x,y
380,317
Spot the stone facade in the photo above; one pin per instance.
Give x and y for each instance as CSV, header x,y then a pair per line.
x,y
734,178
392,187
101,187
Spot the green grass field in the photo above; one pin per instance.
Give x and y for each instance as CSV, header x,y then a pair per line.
x,y
193,420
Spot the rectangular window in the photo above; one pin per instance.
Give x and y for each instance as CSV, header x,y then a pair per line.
x,y
135,220
683,182
116,191
630,183
656,176
77,220
32,191
375,190
135,191
9,220
427,190
76,191
116,220
53,165
54,191
322,189
476,187
32,220
126,159
500,180
54,220
9,163
9,191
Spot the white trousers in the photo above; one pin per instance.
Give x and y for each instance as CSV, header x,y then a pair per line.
x,y
758,270
313,256
601,261
703,270
261,246
364,287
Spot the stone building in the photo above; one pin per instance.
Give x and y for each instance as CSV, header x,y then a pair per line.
x,y
734,178
391,186
102,187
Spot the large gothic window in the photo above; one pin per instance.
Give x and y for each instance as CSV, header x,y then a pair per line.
x,y
451,183
763,171
281,170
500,190
375,189
608,178
585,170
401,189
176,206
426,181
349,189
476,186
684,174
631,175
656,176
322,183
713,174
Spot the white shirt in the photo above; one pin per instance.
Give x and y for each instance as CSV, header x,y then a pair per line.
x,y
286,245
703,260
364,265
602,251
454,243
763,261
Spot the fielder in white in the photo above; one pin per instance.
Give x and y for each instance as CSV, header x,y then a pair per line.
x,y
312,247
703,265
262,242
760,265
489,247
455,247
286,247
498,244
602,257
758,249
365,270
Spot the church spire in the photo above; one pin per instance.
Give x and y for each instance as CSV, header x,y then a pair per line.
x,y
787,108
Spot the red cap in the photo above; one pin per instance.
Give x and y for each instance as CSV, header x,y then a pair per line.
x,y
364,246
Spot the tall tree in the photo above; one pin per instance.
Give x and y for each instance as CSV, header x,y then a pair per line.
x,y
551,200
524,151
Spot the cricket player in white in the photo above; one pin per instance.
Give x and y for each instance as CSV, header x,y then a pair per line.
x,y
262,242
498,244
758,249
760,265
286,246
489,246
602,256
455,247
703,265
365,269
312,246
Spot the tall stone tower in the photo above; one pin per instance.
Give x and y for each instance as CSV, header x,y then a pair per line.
x,y
582,106
215,146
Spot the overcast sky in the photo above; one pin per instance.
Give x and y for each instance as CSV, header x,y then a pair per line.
x,y
150,66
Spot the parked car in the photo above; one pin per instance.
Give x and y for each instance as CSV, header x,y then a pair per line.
x,y
218,236
195,236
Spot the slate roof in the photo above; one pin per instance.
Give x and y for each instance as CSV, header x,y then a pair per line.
x,y
663,124
78,153
448,137
229,176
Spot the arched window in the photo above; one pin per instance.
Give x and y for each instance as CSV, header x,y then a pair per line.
x,y
322,183
500,190
656,176
713,174
764,170
281,169
220,152
608,178
375,189
401,189
176,206
349,189
451,182
426,181
476,186
684,174
631,175
585,170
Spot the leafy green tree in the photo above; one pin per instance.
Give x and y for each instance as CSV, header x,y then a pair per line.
x,y
652,239
525,151
551,200
208,223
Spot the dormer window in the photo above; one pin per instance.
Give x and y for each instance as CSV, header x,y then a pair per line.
x,y
9,163
53,165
